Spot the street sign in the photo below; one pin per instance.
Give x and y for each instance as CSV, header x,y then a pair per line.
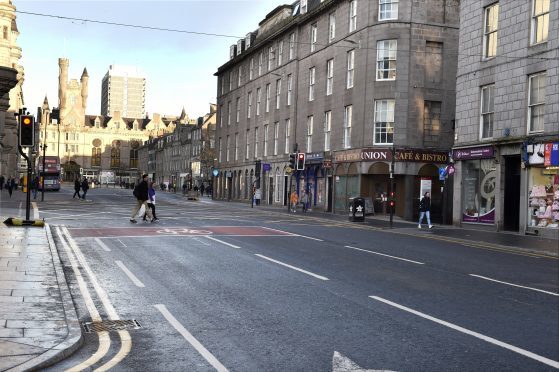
x,y
266,167
215,172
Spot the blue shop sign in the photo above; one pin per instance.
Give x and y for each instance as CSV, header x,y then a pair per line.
x,y
314,157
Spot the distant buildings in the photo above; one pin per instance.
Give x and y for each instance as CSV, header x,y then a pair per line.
x,y
507,116
352,84
124,90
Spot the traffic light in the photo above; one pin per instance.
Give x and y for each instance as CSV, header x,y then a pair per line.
x,y
257,168
292,160
301,161
26,131
392,202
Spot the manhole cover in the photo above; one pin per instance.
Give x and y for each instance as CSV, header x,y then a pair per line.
x,y
111,325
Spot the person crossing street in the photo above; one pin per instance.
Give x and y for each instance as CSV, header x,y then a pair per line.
x,y
142,197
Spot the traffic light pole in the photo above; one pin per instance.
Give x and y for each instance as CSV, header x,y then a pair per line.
x,y
392,202
28,197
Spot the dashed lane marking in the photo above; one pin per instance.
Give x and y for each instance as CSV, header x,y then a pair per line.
x,y
131,276
514,285
385,255
292,267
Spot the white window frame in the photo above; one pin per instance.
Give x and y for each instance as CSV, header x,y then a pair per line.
x,y
352,15
258,100
303,6
348,122
327,130
239,76
255,142
539,21
287,132
220,149
247,144
329,76
276,137
271,53
350,68
249,104
238,107
230,80
386,59
331,26
268,94
278,93
536,105
280,52
387,127
236,146
312,77
314,34
387,14
289,88
490,30
291,45
487,111
228,145
229,113
251,69
266,126
310,125
260,63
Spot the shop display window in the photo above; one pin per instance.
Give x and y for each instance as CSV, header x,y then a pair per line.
x,y
478,190
543,198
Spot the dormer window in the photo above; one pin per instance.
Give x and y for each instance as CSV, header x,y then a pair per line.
x,y
303,6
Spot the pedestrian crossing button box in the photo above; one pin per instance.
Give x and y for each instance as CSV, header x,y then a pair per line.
x,y
356,208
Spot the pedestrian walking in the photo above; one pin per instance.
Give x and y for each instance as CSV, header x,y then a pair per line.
x,y
202,189
258,196
293,198
304,200
85,187
151,201
142,196
425,209
34,186
10,185
77,186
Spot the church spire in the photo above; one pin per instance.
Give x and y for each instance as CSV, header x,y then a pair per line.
x,y
45,103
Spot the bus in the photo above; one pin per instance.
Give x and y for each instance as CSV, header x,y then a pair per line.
x,y
51,176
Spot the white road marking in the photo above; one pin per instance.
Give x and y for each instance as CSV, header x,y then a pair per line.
x,y
191,339
132,277
515,285
125,339
102,245
104,339
120,241
292,267
35,211
386,255
280,231
222,242
491,340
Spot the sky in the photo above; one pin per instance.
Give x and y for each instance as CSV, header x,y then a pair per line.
x,y
179,66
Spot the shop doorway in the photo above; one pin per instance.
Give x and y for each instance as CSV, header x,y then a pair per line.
x,y
511,210
329,200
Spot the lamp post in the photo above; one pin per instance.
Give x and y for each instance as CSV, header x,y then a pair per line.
x,y
44,149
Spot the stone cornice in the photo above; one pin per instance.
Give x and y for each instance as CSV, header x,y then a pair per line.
x,y
8,79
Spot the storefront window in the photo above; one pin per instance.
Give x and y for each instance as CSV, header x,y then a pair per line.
x,y
478,183
543,198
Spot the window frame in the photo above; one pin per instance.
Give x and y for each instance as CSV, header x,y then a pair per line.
x,y
278,93
331,26
327,130
310,130
352,16
258,100
276,137
289,88
350,63
389,128
393,13
329,76
490,36
534,29
487,111
287,134
312,81
348,123
313,36
384,56
249,104
531,106
268,97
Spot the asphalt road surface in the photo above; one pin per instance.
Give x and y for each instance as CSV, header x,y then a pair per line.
x,y
222,286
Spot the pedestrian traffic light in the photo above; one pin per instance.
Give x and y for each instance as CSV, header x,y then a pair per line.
x,y
301,161
26,131
292,160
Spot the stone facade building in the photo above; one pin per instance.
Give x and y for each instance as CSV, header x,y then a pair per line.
x,y
102,148
507,120
352,84
11,94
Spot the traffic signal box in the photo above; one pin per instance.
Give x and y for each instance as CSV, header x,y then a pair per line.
x,y
26,131
392,201
292,160
301,161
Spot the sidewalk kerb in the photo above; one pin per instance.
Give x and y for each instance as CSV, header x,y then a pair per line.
x,y
74,339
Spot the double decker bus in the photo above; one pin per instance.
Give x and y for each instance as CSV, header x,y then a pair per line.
x,y
51,176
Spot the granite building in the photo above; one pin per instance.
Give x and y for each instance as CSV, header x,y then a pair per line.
x,y
124,89
507,116
353,85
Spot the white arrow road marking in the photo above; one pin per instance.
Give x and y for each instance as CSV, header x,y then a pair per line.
x,y
491,340
102,245
104,339
125,339
132,277
292,267
191,339
386,255
341,363
515,285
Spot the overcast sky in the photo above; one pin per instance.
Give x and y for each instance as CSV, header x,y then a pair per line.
x,y
179,66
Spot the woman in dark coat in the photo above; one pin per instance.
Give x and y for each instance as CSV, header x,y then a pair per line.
x,y
425,209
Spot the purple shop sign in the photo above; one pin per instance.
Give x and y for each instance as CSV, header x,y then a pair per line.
x,y
266,167
484,152
488,217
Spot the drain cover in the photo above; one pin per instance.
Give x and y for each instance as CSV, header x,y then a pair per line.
x,y
111,325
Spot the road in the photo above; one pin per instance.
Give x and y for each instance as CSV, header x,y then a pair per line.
x,y
222,286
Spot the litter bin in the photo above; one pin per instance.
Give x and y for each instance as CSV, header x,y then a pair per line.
x,y
357,209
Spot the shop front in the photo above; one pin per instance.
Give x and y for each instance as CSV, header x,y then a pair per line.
x,y
478,184
543,189
314,180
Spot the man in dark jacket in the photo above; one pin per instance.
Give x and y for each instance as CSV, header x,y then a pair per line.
x,y
85,187
141,194
76,188
425,209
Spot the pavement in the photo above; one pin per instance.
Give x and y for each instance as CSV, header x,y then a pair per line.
x,y
38,321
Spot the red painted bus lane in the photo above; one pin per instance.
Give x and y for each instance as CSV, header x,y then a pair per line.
x,y
115,232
